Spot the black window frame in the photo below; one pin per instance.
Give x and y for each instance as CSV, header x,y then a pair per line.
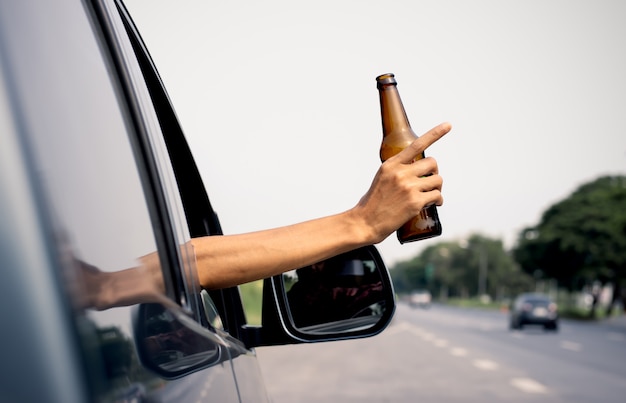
x,y
201,218
144,157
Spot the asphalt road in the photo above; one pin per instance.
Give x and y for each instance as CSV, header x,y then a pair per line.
x,y
447,354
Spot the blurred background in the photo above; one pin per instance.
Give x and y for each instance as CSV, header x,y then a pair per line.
x,y
279,104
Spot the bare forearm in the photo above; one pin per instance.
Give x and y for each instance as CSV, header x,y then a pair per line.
x,y
225,261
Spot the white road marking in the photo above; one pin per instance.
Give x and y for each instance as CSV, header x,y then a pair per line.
x,y
485,365
570,345
206,389
528,385
458,352
407,327
428,336
524,384
415,330
403,327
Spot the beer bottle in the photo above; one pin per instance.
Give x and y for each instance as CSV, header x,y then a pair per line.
x,y
397,135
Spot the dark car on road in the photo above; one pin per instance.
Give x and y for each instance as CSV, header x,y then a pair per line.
x,y
534,309
96,176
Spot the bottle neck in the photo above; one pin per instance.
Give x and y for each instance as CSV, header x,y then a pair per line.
x,y
392,111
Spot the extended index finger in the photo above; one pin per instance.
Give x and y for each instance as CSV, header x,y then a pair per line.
x,y
424,141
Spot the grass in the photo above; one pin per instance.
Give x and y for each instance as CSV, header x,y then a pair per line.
x,y
252,299
474,303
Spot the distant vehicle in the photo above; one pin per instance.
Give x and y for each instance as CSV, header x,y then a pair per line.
x,y
534,309
420,299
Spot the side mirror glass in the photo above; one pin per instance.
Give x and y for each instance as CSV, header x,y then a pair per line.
x,y
347,294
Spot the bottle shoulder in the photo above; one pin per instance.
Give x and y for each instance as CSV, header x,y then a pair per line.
x,y
398,138
395,141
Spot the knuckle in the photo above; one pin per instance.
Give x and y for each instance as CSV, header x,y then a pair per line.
x,y
432,163
387,169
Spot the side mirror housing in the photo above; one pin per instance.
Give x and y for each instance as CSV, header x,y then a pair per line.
x,y
345,297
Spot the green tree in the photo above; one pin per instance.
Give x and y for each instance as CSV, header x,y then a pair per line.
x,y
462,269
581,238
492,268
417,273
410,274
444,266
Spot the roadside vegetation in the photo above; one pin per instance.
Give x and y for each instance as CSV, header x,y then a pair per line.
x,y
576,254
252,297
566,308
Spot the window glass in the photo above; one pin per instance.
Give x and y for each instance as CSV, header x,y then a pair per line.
x,y
84,156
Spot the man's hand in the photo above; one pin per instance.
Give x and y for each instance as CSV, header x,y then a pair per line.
x,y
402,187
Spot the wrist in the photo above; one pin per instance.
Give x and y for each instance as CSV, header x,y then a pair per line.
x,y
361,228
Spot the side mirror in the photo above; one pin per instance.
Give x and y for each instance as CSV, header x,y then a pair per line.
x,y
347,296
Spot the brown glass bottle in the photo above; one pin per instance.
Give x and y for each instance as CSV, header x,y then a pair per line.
x,y
397,135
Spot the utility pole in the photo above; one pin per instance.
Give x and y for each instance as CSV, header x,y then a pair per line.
x,y
482,271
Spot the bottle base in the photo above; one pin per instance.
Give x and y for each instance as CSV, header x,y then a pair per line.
x,y
418,237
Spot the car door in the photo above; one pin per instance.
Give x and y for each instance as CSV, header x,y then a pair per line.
x,y
108,198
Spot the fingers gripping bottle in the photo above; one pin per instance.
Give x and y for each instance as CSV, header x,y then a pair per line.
x,y
397,135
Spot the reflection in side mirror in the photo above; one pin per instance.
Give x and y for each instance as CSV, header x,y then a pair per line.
x,y
170,343
347,293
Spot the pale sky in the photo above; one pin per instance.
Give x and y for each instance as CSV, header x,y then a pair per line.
x,y
278,101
